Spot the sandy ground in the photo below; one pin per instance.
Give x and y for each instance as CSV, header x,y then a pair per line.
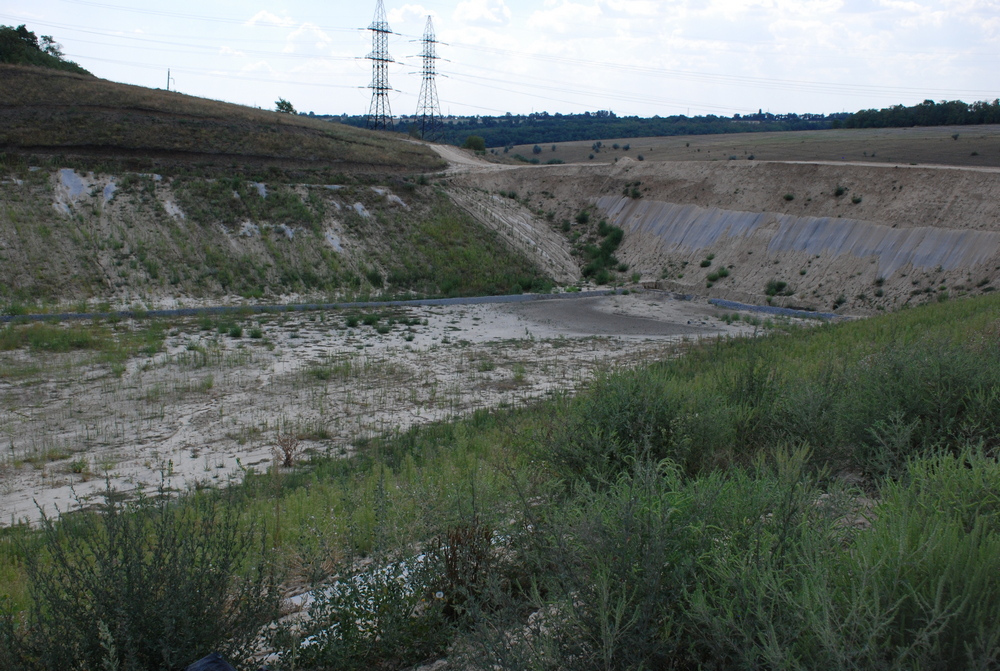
x,y
210,406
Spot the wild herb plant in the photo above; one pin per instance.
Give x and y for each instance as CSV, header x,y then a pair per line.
x,y
149,582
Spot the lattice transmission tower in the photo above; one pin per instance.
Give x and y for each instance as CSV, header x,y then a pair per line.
x,y
428,106
379,114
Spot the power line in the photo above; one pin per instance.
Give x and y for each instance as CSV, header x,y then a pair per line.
x,y
719,78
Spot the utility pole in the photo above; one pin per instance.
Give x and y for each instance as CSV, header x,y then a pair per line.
x,y
379,114
428,106
169,78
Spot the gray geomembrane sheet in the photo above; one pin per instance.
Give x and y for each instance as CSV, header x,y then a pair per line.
x,y
693,227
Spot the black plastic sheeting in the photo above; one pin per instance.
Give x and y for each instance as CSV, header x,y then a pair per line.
x,y
301,307
773,310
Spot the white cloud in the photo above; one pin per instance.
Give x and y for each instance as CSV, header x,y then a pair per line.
x,y
266,18
306,34
259,66
562,18
229,51
489,13
629,8
410,14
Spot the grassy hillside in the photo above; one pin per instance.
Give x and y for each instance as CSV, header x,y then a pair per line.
x,y
825,497
58,113
66,236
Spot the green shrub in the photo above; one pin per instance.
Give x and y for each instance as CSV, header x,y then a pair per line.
x,y
235,331
475,143
775,287
145,584
930,566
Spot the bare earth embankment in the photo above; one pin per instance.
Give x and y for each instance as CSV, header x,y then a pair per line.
x,y
816,235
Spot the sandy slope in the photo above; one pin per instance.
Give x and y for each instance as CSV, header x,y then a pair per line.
x,y
895,235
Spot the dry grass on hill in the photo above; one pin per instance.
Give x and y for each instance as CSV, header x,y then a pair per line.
x,y
974,146
46,111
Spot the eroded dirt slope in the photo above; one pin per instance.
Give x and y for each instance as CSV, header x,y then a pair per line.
x,y
856,237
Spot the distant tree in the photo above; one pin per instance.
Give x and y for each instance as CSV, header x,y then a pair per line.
x,y
475,143
283,106
50,46
536,149
20,46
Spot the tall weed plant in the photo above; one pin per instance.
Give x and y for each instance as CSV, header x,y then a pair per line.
x,y
866,415
145,584
762,567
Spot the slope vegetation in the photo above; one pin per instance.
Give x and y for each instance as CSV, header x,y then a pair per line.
x,y
153,238
52,112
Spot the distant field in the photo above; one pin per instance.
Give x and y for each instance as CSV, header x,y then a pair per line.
x,y
51,112
975,146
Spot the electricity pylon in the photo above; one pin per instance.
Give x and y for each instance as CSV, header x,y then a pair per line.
x,y
428,106
379,114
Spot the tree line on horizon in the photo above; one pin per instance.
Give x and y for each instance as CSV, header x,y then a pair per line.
x,y
543,128
927,113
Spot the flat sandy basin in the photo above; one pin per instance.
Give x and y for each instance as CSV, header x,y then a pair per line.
x,y
209,405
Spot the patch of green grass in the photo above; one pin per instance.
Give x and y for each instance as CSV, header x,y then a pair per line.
x,y
445,253
113,346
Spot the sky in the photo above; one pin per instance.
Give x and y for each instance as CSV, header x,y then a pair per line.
x,y
633,57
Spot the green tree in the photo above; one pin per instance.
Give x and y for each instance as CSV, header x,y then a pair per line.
x,y
283,106
21,46
475,143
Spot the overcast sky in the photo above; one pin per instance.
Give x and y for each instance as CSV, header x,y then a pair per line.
x,y
634,57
